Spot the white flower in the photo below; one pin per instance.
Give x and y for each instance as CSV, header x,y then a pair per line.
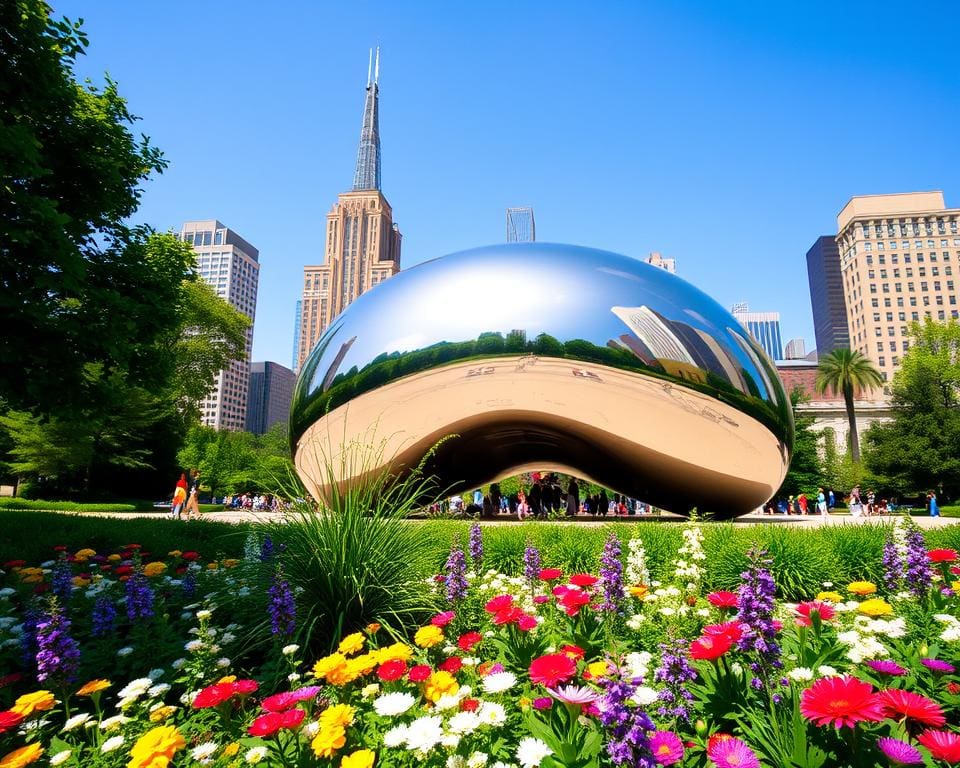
x,y
294,677
116,721
369,691
311,729
501,764
456,761
178,664
75,722
477,760
155,674
800,674
644,696
950,634
125,651
289,650
450,740
158,691
395,737
498,682
531,751
447,701
393,704
114,742
491,713
228,637
203,616
635,621
61,757
193,646
464,722
255,754
202,751
424,733
825,670
223,663
135,688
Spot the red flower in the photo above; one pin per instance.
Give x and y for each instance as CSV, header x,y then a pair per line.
x,y
710,647
841,701
59,548
549,574
442,619
541,599
807,609
552,669
190,555
392,670
213,695
14,563
953,688
575,652
469,705
123,570
507,615
499,603
245,687
732,630
132,546
526,622
468,640
9,720
942,555
898,704
943,745
723,599
270,723
583,579
419,673
13,677
451,665
279,702
573,601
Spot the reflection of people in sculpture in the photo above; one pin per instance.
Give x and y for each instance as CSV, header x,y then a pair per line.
x,y
535,498
573,497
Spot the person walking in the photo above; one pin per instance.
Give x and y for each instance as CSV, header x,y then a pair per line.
x,y
573,497
802,503
821,502
179,497
932,504
193,497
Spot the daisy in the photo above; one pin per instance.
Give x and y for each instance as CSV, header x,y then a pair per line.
x,y
393,704
498,682
531,751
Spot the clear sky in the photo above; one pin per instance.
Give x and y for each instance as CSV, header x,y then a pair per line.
x,y
727,135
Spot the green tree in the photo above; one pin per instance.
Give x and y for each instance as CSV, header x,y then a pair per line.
x,y
840,471
848,373
805,472
918,450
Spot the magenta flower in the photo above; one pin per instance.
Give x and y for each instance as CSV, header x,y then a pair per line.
x,y
307,692
886,667
732,753
900,752
542,702
666,747
573,694
938,665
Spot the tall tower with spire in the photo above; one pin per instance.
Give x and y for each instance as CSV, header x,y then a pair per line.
x,y
362,245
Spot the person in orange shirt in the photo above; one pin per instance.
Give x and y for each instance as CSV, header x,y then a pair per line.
x,y
179,497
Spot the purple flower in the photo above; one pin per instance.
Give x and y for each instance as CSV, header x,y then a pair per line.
x,y
756,599
733,753
456,576
939,666
281,606
627,726
476,545
266,550
28,640
543,702
58,654
674,672
61,582
892,566
886,667
899,752
917,572
103,617
188,585
531,563
611,575
139,595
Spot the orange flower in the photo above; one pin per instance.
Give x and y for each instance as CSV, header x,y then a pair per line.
x,y
23,756
94,686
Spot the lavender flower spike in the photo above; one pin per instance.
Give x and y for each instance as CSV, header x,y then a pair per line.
x,y
476,545
756,600
58,654
611,575
531,563
282,607
456,578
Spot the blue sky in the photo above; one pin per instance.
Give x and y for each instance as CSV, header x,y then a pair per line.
x,y
716,133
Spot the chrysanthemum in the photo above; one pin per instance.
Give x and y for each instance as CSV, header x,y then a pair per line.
x,y
841,701
666,747
351,644
942,555
424,733
876,606
939,666
943,745
886,667
710,647
393,704
899,752
574,694
732,753
805,612
498,682
861,587
464,722
23,756
362,758
531,751
552,669
898,704
719,599
428,636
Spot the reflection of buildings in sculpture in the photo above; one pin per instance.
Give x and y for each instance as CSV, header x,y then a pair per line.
x,y
653,330
335,365
764,327
656,259
751,353
297,329
362,245
521,228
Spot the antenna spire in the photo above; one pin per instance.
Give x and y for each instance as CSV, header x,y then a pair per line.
x,y
367,174
376,70
369,67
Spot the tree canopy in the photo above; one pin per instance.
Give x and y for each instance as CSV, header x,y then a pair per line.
x,y
847,372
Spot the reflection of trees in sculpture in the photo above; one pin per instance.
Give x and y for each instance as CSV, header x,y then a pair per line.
x,y
309,407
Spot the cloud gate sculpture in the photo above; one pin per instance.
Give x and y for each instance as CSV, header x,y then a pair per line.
x,y
548,357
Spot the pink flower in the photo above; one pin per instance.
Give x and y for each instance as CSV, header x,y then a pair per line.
x,y
841,701
574,694
442,619
720,599
666,747
732,753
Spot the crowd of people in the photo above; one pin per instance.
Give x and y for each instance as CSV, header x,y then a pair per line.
x,y
860,504
185,503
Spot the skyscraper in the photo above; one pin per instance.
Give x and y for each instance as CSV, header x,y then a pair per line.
x,y
270,394
796,349
521,227
230,265
297,325
826,295
362,244
656,259
764,327
897,254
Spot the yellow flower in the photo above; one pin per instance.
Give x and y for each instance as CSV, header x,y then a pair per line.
x,y
598,668
351,643
38,701
862,588
156,747
328,741
362,758
372,628
439,684
227,679
525,703
94,686
362,665
231,749
955,586
832,597
875,607
80,581
114,557
154,569
342,675
23,756
174,553
399,651
639,590
329,664
162,713
337,715
428,636
212,566
84,554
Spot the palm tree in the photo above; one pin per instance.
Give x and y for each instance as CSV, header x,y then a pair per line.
x,y
848,372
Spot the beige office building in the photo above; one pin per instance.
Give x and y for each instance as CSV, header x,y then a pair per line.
x,y
229,264
900,261
362,245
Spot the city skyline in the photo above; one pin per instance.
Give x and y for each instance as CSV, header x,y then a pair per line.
x,y
740,155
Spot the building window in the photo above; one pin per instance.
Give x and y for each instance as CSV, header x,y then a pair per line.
x,y
883,361
879,346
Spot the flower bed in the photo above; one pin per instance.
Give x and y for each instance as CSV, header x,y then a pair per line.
x,y
130,658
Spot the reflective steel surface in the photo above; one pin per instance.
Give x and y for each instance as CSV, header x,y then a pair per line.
x,y
544,356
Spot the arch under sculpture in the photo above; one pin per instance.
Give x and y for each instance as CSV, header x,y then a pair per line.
x,y
548,357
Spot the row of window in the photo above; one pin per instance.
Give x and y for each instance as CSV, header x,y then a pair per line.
x,y
882,259
860,337
907,227
905,244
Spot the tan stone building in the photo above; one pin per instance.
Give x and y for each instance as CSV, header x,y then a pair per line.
x,y
362,244
900,261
